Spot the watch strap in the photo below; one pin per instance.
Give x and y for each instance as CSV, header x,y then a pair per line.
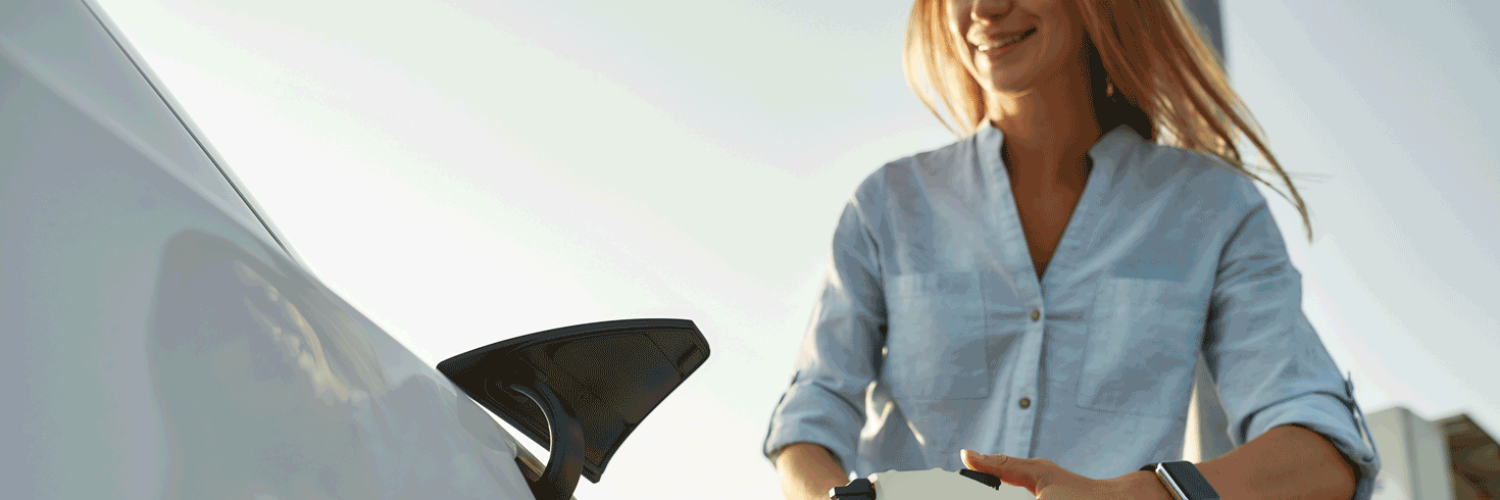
x,y
1183,481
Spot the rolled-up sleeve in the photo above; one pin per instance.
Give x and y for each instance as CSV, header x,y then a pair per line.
x,y
839,354
1270,367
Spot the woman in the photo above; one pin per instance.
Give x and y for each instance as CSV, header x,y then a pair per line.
x,y
1040,290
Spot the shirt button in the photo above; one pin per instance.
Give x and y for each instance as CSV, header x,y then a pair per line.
x,y
1035,314
1025,403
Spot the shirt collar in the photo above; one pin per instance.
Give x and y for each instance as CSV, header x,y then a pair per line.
x,y
1111,146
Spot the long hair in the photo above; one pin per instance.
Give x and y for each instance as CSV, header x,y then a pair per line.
x,y
1167,82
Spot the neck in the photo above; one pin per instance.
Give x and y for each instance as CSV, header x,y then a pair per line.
x,y
1048,131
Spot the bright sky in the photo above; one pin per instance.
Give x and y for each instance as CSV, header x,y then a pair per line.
x,y
471,170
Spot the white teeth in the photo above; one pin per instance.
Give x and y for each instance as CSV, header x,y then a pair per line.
x,y
1005,42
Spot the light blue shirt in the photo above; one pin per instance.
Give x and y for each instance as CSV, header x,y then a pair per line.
x,y
933,333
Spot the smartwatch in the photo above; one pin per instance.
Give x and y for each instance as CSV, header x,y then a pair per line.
x,y
1183,481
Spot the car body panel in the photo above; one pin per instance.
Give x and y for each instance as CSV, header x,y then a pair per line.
x,y
162,340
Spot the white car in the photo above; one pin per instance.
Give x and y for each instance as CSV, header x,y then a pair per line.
x,y
162,340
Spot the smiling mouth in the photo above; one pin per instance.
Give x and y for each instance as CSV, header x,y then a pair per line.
x,y
1003,43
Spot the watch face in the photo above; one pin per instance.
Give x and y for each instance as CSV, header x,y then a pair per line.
x,y
1188,483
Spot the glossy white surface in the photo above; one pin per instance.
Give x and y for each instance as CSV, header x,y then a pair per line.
x,y
939,483
160,344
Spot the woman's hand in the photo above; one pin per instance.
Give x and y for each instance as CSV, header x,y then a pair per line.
x,y
1048,481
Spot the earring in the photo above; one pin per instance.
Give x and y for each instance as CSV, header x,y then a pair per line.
x,y
1109,87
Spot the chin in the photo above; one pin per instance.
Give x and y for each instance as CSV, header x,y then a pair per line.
x,y
1005,82
1007,86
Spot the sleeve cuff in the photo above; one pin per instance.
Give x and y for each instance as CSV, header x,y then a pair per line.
x,y
824,440
1337,419
810,415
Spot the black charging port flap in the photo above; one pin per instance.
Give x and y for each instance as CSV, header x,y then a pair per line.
x,y
580,390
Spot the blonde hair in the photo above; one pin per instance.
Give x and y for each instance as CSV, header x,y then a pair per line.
x,y
1167,82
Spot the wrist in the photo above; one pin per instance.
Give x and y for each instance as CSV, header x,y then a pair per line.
x,y
1143,485
819,489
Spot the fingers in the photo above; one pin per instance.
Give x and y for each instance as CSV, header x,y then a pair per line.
x,y
1031,474
974,460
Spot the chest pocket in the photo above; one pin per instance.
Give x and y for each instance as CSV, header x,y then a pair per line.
x,y
1143,343
935,346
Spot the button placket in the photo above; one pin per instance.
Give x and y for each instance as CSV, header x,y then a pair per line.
x,y
1021,422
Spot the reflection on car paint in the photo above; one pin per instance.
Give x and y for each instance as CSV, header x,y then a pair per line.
x,y
259,373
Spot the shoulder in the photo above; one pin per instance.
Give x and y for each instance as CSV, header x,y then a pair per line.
x,y
901,177
1194,179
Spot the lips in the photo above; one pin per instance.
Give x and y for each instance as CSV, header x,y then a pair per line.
x,y
1000,43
